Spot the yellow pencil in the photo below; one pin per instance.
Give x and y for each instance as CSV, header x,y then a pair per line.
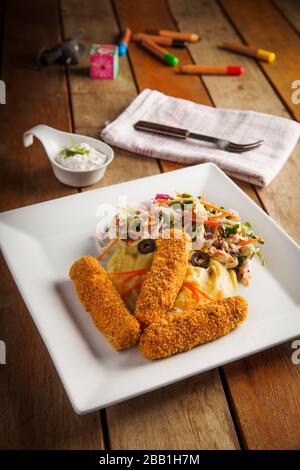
x,y
250,51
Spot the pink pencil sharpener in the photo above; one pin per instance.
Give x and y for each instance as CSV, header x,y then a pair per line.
x,y
104,61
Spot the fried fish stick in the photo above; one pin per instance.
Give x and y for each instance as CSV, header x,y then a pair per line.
x,y
100,298
179,332
164,279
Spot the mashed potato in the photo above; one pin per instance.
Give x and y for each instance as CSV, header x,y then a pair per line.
x,y
217,281
128,258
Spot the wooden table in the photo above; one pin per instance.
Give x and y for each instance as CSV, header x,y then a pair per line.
x,y
253,403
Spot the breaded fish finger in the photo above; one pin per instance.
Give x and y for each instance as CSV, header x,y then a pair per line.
x,y
182,331
164,279
101,299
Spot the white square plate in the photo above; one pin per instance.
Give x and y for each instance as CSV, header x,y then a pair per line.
x,y
40,243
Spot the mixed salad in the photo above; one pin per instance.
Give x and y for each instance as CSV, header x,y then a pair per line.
x,y
216,233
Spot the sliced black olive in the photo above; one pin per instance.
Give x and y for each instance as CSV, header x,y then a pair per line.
x,y
200,259
146,246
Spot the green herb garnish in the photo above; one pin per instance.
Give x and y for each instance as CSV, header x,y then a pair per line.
x,y
247,230
74,150
230,230
260,257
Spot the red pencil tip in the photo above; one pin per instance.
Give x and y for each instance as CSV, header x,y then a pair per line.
x,y
235,70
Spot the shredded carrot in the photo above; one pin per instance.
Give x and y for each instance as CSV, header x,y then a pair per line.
x,y
247,242
211,222
126,279
216,216
192,289
205,203
202,292
137,284
106,249
164,201
128,276
188,304
175,200
207,221
197,290
126,273
216,208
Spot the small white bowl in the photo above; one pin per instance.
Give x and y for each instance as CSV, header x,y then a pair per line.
x,y
53,140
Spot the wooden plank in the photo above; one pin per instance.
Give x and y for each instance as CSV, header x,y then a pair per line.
x,y
291,10
262,24
278,198
35,412
150,71
261,385
95,102
265,392
192,414
26,176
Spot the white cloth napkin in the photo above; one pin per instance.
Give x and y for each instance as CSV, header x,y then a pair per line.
x,y
259,166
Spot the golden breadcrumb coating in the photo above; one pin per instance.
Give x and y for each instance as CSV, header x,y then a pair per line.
x,y
164,279
182,331
100,298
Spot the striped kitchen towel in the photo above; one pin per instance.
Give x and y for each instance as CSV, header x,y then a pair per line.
x,y
258,166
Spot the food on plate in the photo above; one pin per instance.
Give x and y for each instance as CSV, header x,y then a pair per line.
x,y
223,246
100,298
164,279
172,269
80,157
179,332
201,285
127,269
200,259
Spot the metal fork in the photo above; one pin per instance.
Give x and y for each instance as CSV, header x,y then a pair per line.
x,y
184,134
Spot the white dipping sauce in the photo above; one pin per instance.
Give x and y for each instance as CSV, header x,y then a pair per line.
x,y
90,160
